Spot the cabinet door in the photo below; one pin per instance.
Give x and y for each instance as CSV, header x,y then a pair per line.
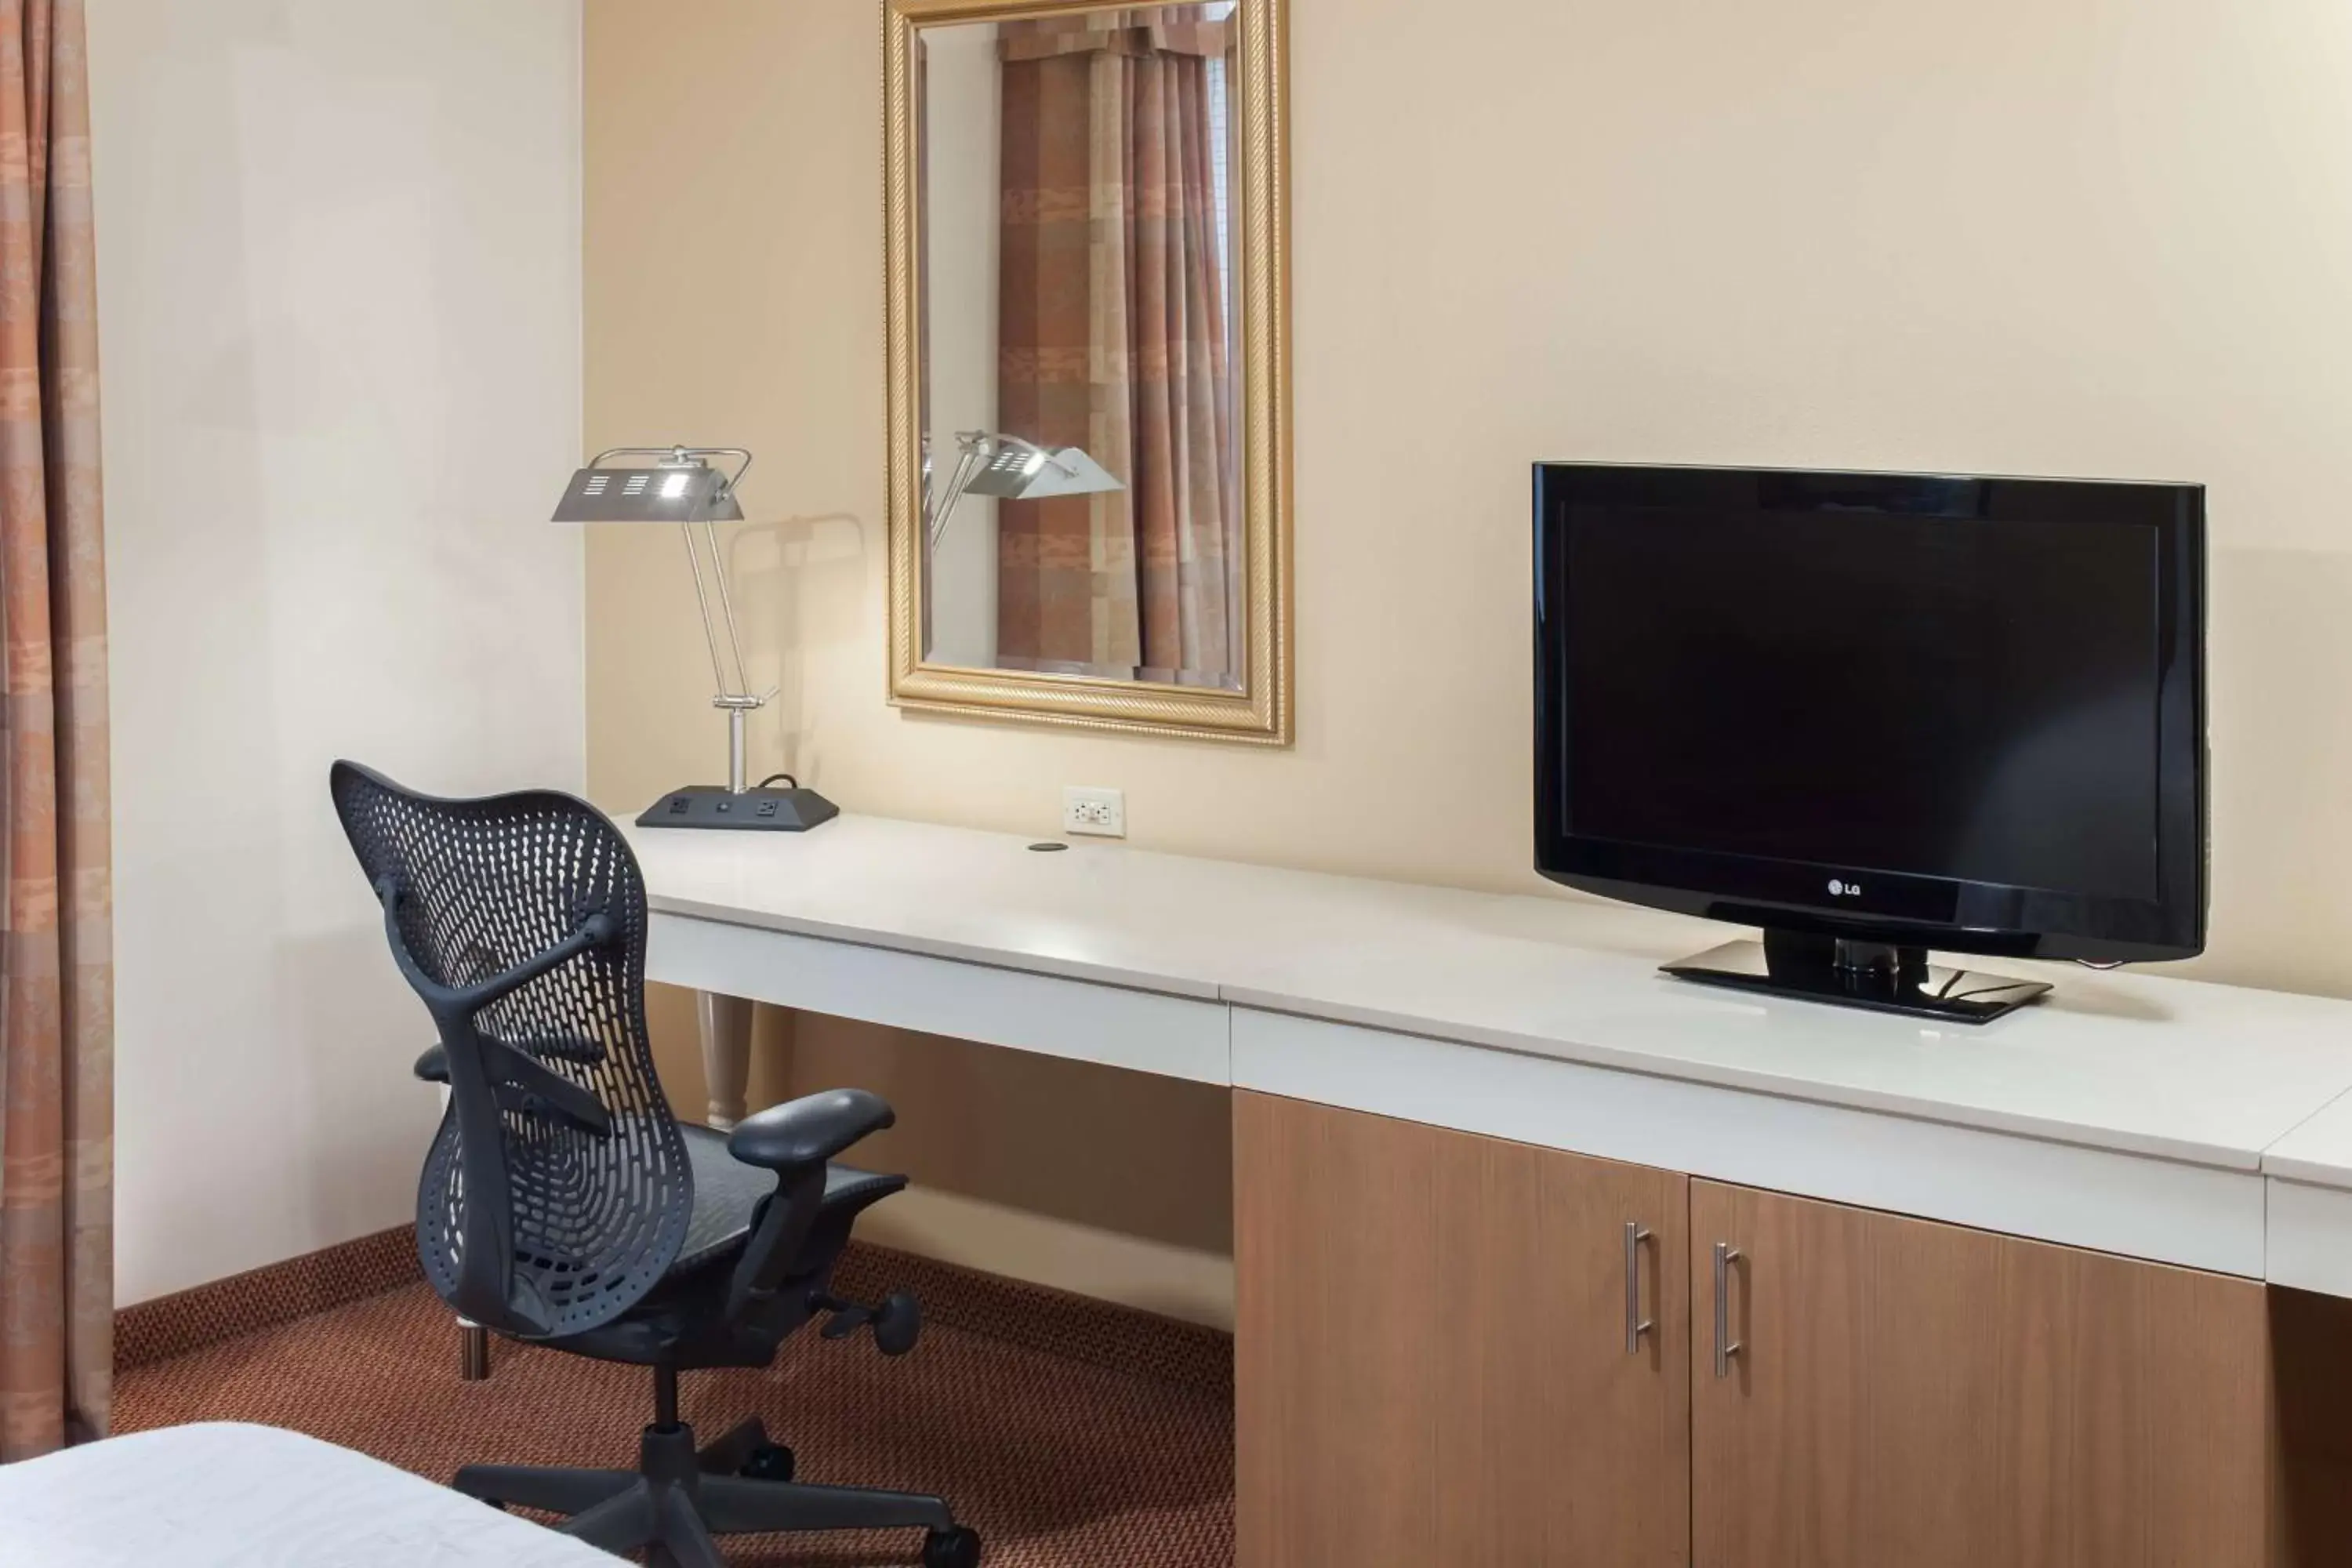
x,y
1431,1349
1915,1394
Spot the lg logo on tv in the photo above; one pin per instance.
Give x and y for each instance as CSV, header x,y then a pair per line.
x,y
1842,890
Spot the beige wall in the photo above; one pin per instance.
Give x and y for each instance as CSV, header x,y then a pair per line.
x,y
339,305
2015,236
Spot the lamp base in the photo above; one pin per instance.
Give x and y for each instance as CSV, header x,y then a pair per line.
x,y
755,810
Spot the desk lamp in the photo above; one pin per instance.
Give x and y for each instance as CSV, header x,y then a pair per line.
x,y
682,487
1009,468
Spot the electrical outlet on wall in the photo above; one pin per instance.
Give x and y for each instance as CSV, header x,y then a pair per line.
x,y
1099,812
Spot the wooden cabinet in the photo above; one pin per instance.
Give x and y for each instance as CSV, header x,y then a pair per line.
x,y
1916,1394
1431,1362
1432,1368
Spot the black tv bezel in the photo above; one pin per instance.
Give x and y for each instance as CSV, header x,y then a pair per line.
x,y
1897,908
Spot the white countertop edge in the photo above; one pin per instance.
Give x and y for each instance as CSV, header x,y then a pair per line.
x,y
2325,1131
937,947
2307,1172
1810,1091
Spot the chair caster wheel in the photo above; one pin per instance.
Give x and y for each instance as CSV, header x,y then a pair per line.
x,y
769,1462
897,1323
958,1546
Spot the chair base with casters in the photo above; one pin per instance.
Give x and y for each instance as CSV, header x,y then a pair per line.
x,y
680,1497
770,1178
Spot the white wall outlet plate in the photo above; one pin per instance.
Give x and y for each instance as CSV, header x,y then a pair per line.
x,y
1099,812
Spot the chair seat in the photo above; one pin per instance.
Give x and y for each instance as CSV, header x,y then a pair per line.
x,y
727,1192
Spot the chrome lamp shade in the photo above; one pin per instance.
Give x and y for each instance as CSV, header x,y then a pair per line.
x,y
672,493
1009,468
1018,471
683,486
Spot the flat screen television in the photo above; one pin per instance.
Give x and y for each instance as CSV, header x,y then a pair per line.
x,y
1876,715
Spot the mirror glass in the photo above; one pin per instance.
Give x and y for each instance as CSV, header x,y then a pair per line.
x,y
1080,382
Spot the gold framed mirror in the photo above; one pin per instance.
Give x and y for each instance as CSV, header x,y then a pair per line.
x,y
1088,338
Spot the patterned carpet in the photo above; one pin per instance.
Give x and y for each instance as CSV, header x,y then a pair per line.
x,y
1057,1460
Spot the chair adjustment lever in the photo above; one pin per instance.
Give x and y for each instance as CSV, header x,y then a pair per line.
x,y
897,1323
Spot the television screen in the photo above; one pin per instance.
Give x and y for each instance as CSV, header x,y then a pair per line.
x,y
1974,700
1963,712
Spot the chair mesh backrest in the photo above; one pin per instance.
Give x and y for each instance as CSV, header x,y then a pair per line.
x,y
596,1216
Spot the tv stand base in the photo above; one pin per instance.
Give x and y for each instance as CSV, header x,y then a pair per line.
x,y
1883,978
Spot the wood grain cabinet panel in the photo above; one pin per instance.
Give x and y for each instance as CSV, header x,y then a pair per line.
x,y
1431,1357
1914,1394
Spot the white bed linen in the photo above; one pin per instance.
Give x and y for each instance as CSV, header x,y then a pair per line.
x,y
221,1494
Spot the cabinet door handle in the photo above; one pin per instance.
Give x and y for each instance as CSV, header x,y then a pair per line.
x,y
1725,1347
1636,1325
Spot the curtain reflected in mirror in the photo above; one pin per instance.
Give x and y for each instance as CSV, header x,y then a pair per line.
x,y
1082,478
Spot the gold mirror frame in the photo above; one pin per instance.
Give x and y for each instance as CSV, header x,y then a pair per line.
x,y
1260,714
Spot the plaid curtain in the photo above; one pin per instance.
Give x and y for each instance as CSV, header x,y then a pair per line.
x,y
56,1034
1113,336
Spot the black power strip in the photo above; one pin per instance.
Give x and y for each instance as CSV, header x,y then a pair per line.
x,y
761,810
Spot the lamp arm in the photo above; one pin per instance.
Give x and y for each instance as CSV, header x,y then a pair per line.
x,y
947,511
702,603
735,693
727,606
680,454
741,685
735,480
972,454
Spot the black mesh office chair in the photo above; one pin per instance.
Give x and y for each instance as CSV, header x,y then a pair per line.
x,y
562,1203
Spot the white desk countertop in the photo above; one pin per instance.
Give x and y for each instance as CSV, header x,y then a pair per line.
x,y
2176,1069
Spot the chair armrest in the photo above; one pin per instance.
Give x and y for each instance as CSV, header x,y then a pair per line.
x,y
433,1066
809,1131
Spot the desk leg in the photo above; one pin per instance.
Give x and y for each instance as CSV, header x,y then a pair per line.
x,y
726,1024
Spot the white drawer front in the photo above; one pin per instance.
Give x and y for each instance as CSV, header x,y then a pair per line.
x,y
2310,1238
1175,1035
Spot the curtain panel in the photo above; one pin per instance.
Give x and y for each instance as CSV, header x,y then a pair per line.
x,y
56,1092
1113,336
